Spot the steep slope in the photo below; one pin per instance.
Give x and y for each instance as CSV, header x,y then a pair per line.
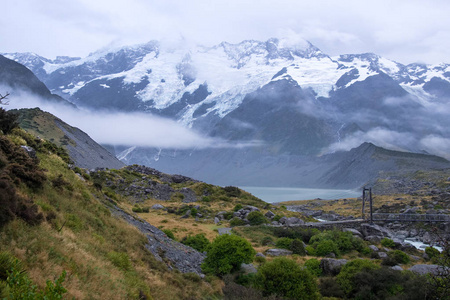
x,y
17,77
84,151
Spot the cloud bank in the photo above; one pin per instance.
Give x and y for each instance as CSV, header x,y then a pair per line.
x,y
404,30
124,129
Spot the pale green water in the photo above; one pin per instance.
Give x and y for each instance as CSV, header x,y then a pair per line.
x,y
278,194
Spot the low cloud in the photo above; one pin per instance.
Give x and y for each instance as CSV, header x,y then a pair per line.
x,y
125,129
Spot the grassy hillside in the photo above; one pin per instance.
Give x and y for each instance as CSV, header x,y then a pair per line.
x,y
66,225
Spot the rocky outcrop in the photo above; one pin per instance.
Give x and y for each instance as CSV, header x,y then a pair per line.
x,y
331,266
174,254
426,269
278,252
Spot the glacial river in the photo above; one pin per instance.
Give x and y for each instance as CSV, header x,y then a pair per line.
x,y
279,194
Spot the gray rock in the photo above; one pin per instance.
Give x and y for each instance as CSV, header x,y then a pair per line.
x,y
416,258
374,248
292,221
259,254
373,239
248,268
216,220
382,255
353,231
331,266
189,195
278,252
275,223
158,206
222,231
397,268
426,269
187,214
375,230
269,214
30,151
282,220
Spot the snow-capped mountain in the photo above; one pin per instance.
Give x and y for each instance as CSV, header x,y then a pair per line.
x,y
290,99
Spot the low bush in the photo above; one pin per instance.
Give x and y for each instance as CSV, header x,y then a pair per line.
x,y
432,252
313,266
267,240
297,247
284,243
325,247
169,233
199,242
387,242
226,254
345,278
237,207
399,256
236,222
285,278
256,218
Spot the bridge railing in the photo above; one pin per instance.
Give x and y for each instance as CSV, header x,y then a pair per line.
x,y
411,217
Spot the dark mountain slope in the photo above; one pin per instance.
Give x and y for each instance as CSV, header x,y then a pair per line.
x,y
20,78
83,150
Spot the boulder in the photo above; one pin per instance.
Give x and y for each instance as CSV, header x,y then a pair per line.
x,y
278,252
269,215
223,231
216,220
353,231
375,230
259,254
30,151
282,220
248,268
292,221
373,239
187,214
426,269
332,266
158,206
397,268
374,248
382,255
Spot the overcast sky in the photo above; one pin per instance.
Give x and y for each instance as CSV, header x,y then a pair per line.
x,y
403,30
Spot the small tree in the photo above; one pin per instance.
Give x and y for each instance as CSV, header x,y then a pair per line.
x,y
226,254
256,218
285,278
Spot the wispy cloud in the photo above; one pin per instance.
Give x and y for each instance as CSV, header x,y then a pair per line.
x,y
126,129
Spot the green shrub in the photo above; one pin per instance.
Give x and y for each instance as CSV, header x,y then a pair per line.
x,y
136,208
285,278
256,218
432,252
120,260
226,254
313,266
194,212
260,259
329,287
326,247
385,283
297,247
345,278
284,243
386,242
399,256
169,233
232,191
206,199
237,222
237,207
8,121
277,218
310,250
267,240
199,242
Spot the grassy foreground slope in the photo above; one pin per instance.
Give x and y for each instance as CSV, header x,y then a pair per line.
x,y
54,220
